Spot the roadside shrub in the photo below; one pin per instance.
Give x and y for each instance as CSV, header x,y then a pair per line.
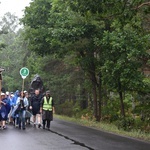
x,y
125,123
65,109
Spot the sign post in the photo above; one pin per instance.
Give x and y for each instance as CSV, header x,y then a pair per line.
x,y
24,72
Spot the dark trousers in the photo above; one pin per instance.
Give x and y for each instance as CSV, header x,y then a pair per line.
x,y
22,118
47,123
16,120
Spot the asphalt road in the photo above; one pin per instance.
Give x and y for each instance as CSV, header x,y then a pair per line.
x,y
66,136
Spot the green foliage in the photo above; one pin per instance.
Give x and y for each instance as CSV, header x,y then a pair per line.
x,y
13,53
125,123
125,47
108,44
66,108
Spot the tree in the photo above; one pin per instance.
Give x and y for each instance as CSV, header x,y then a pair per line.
x,y
83,28
12,55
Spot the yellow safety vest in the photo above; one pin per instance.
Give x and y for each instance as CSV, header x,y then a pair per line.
x,y
46,105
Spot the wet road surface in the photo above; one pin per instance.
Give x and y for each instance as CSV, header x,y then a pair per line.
x,y
66,136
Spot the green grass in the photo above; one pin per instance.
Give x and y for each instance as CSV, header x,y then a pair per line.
x,y
106,127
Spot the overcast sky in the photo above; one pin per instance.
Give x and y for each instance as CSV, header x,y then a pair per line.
x,y
16,7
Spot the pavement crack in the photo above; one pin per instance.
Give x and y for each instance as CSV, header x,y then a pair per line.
x,y
74,141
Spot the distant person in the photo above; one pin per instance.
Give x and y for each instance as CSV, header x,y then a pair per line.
x,y
28,114
14,111
35,102
3,111
10,118
8,106
22,103
47,109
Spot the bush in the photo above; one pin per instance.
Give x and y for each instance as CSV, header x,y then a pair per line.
x,y
65,109
125,123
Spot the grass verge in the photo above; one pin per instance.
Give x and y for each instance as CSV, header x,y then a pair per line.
x,y
107,127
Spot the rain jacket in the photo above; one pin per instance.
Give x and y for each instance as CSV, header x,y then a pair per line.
x,y
4,110
14,99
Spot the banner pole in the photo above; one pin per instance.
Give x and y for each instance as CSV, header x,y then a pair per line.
x,y
22,85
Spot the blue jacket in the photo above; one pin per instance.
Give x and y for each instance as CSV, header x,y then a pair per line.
x,y
4,110
8,107
14,100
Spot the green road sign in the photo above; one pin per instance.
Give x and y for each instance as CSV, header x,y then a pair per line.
x,y
24,72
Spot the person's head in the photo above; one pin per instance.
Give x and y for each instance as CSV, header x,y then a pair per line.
x,y
37,92
48,93
25,91
7,93
26,94
2,95
11,95
22,94
17,93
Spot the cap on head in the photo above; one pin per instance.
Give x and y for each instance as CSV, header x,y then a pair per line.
x,y
12,95
17,91
7,93
2,94
48,92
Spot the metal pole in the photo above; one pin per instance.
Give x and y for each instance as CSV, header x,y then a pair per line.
x,y
23,85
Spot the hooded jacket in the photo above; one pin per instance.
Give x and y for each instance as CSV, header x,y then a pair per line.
x,y
14,99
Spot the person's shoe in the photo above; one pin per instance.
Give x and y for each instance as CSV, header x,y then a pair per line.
x,y
16,125
34,125
24,128
10,123
48,128
39,125
3,127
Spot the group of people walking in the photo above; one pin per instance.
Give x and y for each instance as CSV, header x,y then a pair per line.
x,y
19,108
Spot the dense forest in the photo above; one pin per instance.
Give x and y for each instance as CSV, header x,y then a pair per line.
x,y
92,55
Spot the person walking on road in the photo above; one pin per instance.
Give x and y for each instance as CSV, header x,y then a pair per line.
x,y
4,110
9,115
28,113
35,102
22,103
47,109
14,111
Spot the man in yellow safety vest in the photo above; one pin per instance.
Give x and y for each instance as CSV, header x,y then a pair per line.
x,y
47,109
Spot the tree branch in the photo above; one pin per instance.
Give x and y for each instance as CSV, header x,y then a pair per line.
x,y
146,3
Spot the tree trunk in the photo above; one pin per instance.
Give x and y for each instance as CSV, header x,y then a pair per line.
x,y
95,100
92,75
100,98
83,99
121,99
94,91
